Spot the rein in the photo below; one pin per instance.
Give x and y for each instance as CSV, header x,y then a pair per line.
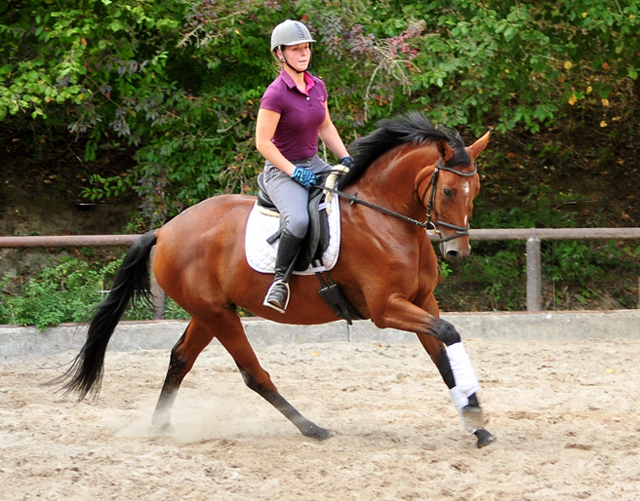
x,y
429,224
353,199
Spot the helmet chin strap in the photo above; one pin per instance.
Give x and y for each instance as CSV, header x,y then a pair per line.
x,y
283,59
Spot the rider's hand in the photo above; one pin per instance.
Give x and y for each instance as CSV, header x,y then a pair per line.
x,y
347,162
303,176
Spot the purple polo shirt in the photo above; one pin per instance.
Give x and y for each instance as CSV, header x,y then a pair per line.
x,y
301,114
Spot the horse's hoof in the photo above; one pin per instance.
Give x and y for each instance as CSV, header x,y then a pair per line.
x,y
165,428
484,438
162,423
315,431
473,416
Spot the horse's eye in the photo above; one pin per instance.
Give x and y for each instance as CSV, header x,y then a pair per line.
x,y
447,193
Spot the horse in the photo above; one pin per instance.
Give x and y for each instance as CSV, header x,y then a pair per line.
x,y
387,268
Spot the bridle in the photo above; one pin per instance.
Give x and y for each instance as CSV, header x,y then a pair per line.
x,y
429,225
432,220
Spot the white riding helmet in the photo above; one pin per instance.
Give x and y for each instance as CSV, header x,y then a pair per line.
x,y
290,33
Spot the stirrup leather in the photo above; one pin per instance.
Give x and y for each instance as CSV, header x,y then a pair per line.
x,y
273,306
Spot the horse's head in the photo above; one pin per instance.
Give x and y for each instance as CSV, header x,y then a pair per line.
x,y
446,188
448,195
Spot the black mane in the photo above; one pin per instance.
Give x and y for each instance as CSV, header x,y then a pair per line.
x,y
411,128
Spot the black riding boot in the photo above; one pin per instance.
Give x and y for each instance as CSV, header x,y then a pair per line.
x,y
278,294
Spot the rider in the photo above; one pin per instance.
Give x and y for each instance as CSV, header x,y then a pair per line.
x,y
293,114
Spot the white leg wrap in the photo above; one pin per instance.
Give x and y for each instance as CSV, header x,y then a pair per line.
x,y
458,398
465,425
463,373
466,381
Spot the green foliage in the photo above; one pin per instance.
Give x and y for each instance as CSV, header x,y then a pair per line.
x,y
56,295
520,64
181,80
589,267
500,272
573,274
495,276
105,188
67,293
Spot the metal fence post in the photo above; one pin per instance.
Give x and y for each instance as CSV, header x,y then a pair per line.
x,y
534,275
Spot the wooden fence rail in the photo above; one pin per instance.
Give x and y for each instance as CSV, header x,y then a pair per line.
x,y
532,236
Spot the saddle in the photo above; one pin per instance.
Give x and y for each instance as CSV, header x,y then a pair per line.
x,y
317,238
313,247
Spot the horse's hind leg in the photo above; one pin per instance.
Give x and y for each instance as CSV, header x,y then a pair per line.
x,y
183,355
234,339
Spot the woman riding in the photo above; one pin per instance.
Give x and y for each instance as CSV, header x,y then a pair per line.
x,y
293,114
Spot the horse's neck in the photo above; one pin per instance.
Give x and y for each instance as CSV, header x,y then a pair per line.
x,y
397,179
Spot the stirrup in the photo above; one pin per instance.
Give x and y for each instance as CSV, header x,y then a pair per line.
x,y
274,306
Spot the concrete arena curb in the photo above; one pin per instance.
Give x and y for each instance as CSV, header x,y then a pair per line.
x,y
18,341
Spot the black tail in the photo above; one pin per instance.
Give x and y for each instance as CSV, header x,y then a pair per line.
x,y
132,282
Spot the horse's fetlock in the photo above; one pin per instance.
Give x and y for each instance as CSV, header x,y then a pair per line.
x,y
178,363
447,333
249,380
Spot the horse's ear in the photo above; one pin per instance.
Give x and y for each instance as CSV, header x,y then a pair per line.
x,y
476,148
445,151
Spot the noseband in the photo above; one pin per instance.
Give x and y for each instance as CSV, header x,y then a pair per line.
x,y
435,222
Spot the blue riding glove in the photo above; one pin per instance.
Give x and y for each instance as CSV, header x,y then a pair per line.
x,y
347,162
303,176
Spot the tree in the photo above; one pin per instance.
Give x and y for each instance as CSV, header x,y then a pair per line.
x,y
180,81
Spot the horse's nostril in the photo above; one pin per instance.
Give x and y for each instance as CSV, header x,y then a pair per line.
x,y
453,255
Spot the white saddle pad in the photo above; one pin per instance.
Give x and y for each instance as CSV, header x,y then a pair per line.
x,y
262,256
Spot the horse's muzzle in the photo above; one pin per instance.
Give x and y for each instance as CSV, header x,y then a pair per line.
x,y
455,250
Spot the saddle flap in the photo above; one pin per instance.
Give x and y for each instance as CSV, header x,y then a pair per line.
x,y
317,238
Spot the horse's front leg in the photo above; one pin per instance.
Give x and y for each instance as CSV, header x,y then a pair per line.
x,y
468,407
444,345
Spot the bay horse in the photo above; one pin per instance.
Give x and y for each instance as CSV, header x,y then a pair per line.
x,y
387,268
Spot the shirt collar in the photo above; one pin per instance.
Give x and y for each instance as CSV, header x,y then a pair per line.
x,y
286,78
